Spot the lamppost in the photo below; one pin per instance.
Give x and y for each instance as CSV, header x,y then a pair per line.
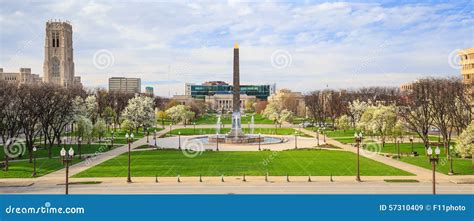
x,y
129,140
398,148
179,140
296,140
217,141
194,128
358,139
411,141
34,162
324,134
259,135
434,160
451,171
67,158
113,137
317,136
79,141
170,130
154,137
147,135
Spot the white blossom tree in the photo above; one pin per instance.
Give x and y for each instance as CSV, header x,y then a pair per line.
x,y
356,109
92,108
343,122
465,147
139,112
180,113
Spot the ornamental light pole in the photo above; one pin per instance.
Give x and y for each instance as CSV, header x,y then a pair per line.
x,y
67,158
296,140
411,141
259,135
358,139
170,129
113,137
147,135
34,161
154,137
79,141
324,134
450,157
194,128
179,140
129,140
217,141
434,160
317,136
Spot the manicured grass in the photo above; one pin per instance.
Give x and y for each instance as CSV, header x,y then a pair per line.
x,y
42,151
460,166
277,131
24,169
405,148
227,119
401,181
236,163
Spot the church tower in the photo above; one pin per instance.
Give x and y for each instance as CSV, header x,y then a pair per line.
x,y
58,67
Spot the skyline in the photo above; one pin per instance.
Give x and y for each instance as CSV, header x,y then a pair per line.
x,y
342,45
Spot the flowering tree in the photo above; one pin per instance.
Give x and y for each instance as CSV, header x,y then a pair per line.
x,y
84,127
383,121
274,112
92,109
100,129
356,109
180,113
139,112
465,147
343,122
161,116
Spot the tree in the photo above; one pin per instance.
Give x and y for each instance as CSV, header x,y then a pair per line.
x,y
315,104
84,128
465,147
109,116
9,117
180,113
162,116
274,112
343,122
29,110
140,112
415,110
92,108
100,129
355,110
383,121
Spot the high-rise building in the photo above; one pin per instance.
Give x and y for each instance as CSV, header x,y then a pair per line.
x,y
125,85
467,71
23,77
58,67
149,91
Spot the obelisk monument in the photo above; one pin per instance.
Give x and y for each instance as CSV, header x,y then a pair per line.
x,y
236,130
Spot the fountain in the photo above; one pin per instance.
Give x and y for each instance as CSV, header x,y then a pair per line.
x,y
236,135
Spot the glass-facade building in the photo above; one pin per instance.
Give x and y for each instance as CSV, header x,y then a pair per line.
x,y
260,91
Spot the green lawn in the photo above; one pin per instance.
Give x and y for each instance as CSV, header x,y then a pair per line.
x,y
460,166
236,163
24,169
277,131
42,151
227,119
406,148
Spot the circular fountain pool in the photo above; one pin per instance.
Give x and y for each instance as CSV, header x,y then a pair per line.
x,y
250,139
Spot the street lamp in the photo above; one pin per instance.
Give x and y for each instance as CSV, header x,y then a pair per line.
x,y
129,139
259,135
324,134
434,160
179,140
450,149
217,141
147,135
34,161
113,137
154,137
358,139
398,148
170,130
296,140
411,141
317,136
67,158
79,140
194,128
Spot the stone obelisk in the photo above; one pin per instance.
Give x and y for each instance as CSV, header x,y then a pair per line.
x,y
236,130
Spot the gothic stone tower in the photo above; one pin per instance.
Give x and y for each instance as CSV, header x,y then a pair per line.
x,y
58,64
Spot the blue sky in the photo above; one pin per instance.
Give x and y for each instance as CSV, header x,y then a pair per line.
x,y
300,45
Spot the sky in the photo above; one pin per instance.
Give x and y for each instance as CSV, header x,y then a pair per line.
x,y
299,45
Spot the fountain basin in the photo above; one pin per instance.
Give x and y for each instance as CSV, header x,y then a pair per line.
x,y
251,139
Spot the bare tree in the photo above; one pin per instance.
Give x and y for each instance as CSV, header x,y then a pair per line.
x,y
315,104
9,123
